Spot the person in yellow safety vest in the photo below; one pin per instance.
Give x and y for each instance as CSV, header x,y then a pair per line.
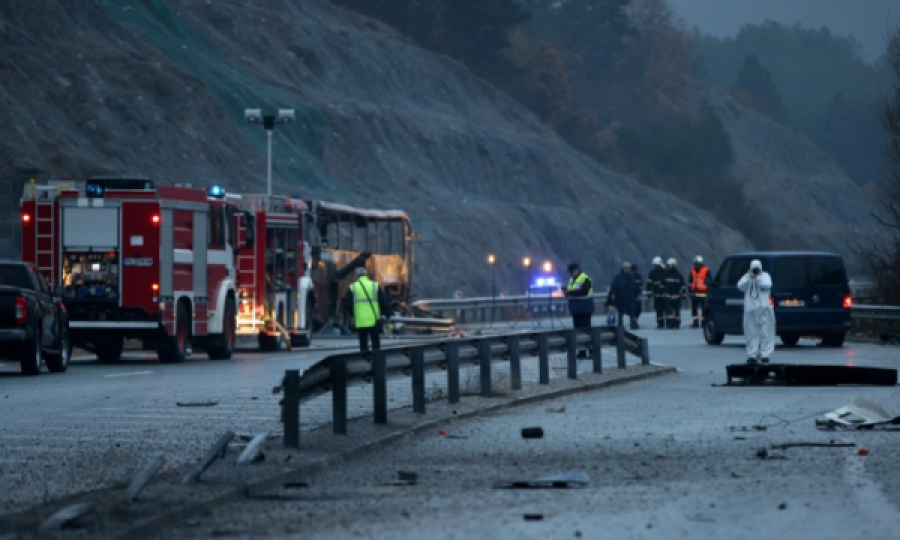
x,y
367,304
698,283
580,293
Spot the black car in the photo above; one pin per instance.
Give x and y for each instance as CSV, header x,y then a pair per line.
x,y
34,328
810,294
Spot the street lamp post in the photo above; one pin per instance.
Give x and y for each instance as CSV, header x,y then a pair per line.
x,y
548,267
491,261
255,116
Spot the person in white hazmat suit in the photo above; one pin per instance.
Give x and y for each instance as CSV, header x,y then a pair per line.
x,y
759,317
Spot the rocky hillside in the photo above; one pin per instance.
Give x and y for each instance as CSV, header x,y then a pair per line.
x,y
158,87
808,200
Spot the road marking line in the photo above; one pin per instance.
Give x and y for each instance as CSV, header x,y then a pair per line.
x,y
129,374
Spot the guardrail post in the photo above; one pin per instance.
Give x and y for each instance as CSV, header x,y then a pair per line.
x,y
596,349
645,351
620,347
291,408
379,387
339,395
543,359
484,365
515,363
572,354
418,379
453,372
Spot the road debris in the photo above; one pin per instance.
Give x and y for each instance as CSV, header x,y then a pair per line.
x,y
762,453
533,517
196,403
831,444
253,453
405,478
68,516
533,433
556,410
782,506
562,481
863,452
143,477
861,413
217,451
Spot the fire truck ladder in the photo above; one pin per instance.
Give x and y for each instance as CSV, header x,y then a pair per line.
x,y
43,222
247,266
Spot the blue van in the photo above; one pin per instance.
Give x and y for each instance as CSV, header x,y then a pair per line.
x,y
810,294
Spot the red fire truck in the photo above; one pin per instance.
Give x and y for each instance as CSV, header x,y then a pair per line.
x,y
180,267
133,260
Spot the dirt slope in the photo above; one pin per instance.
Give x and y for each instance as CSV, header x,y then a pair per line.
x,y
158,87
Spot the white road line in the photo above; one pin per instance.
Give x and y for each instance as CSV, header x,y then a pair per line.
x,y
129,374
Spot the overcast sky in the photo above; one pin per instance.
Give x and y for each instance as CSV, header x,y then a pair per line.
x,y
866,20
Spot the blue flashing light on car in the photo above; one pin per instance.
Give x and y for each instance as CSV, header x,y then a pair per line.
x,y
545,282
216,192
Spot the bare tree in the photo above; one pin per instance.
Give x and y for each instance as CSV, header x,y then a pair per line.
x,y
883,255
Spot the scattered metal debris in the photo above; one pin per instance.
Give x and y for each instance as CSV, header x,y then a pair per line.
x,y
861,413
253,452
405,478
762,453
831,444
143,477
533,433
196,403
562,481
782,506
66,516
557,409
807,375
296,485
533,517
217,451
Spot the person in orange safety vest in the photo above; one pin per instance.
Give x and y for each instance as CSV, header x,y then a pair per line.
x,y
698,284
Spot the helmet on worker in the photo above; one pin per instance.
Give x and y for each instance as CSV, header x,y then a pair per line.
x,y
672,263
698,261
657,261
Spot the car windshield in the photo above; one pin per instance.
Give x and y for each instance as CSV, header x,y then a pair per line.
x,y
15,275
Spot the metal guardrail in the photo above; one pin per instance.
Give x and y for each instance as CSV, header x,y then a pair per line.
x,y
336,373
867,312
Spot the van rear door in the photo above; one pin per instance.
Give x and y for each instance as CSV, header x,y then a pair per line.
x,y
829,283
791,290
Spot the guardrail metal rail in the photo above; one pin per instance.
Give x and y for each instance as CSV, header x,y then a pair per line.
x,y
338,372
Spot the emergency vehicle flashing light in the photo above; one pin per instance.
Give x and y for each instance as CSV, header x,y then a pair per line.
x,y
216,192
545,282
26,218
155,219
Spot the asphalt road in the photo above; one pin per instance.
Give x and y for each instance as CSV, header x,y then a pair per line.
x,y
97,424
668,458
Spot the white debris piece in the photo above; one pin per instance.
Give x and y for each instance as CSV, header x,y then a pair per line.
x,y
862,411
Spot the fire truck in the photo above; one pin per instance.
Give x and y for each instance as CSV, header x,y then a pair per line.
x,y
179,267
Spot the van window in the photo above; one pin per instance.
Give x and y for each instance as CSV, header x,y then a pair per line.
x,y
790,272
722,276
826,271
739,267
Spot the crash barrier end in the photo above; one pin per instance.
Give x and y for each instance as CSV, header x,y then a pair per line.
x,y
335,373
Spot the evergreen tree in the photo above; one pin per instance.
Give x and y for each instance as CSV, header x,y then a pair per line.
x,y
756,82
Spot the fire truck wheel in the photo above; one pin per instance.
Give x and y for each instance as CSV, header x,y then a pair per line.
x,y
222,346
269,343
31,355
109,351
175,349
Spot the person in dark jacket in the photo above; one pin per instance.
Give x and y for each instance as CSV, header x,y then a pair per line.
x,y
367,304
580,293
621,295
674,285
639,287
657,292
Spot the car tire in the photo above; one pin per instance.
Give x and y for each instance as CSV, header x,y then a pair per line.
x,y
31,355
176,349
834,340
790,340
223,346
110,351
710,334
59,362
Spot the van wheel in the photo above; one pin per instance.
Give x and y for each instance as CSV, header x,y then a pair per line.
x,y
790,340
710,334
109,351
833,340
177,348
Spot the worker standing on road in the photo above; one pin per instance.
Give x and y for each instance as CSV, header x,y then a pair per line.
x,y
638,288
621,295
580,293
673,282
657,291
698,283
759,316
366,303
